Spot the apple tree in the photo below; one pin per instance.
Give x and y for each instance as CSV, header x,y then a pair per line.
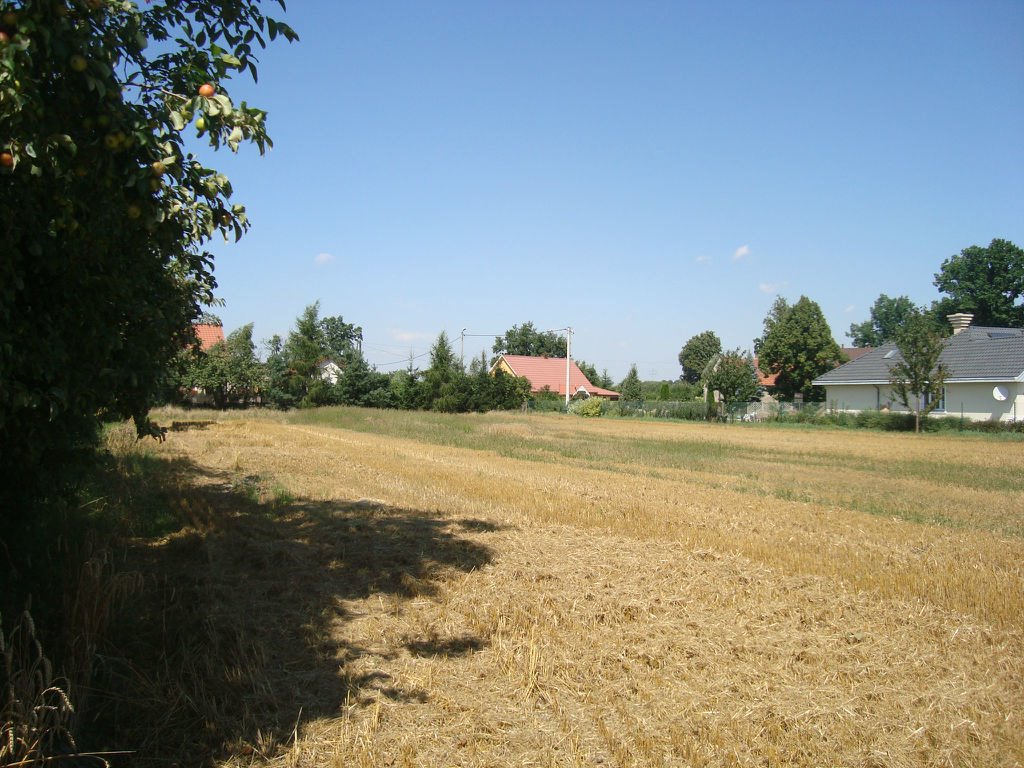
x,y
734,377
105,209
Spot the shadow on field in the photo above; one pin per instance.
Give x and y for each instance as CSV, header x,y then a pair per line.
x,y
233,641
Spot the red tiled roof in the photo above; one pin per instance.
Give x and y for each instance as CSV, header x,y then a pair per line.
x,y
549,372
209,335
764,379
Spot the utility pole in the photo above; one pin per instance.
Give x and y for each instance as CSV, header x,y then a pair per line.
x,y
568,363
462,347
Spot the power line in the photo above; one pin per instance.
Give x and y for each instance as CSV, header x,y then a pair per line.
x,y
403,361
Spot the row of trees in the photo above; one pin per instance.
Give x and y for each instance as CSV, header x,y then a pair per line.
x,y
987,281
321,363
796,344
708,369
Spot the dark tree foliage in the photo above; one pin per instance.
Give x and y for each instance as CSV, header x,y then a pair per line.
x,y
314,342
602,379
444,381
306,345
360,384
339,337
631,390
888,316
497,391
104,212
780,307
677,390
798,346
589,371
406,389
987,282
696,353
278,392
526,340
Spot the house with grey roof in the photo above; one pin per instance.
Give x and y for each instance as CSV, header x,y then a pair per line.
x,y
984,382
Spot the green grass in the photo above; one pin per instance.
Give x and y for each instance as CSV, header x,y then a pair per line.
x,y
470,431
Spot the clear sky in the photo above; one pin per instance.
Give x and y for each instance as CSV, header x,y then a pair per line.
x,y
639,171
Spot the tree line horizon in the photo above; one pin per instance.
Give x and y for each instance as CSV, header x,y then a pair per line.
x,y
795,347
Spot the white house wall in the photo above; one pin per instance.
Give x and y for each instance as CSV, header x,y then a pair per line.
x,y
977,403
856,397
973,401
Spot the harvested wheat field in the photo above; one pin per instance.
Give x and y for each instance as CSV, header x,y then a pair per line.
x,y
395,589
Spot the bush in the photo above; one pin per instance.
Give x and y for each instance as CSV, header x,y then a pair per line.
x,y
590,407
547,402
689,411
894,422
630,408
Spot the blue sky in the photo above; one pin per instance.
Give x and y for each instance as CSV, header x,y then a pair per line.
x,y
641,172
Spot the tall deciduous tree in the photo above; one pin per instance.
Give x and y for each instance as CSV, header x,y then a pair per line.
x,y
888,316
918,379
526,340
340,338
696,353
105,212
987,282
775,316
798,346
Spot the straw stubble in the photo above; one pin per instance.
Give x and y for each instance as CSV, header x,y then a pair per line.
x,y
637,610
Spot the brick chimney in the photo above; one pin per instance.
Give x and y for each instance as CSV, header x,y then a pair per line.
x,y
960,321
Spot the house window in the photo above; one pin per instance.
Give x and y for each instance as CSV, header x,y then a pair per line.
x,y
929,398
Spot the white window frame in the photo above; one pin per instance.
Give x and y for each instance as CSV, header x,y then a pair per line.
x,y
941,407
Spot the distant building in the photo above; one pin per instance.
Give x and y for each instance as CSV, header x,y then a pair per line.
x,y
208,335
329,371
547,374
984,375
